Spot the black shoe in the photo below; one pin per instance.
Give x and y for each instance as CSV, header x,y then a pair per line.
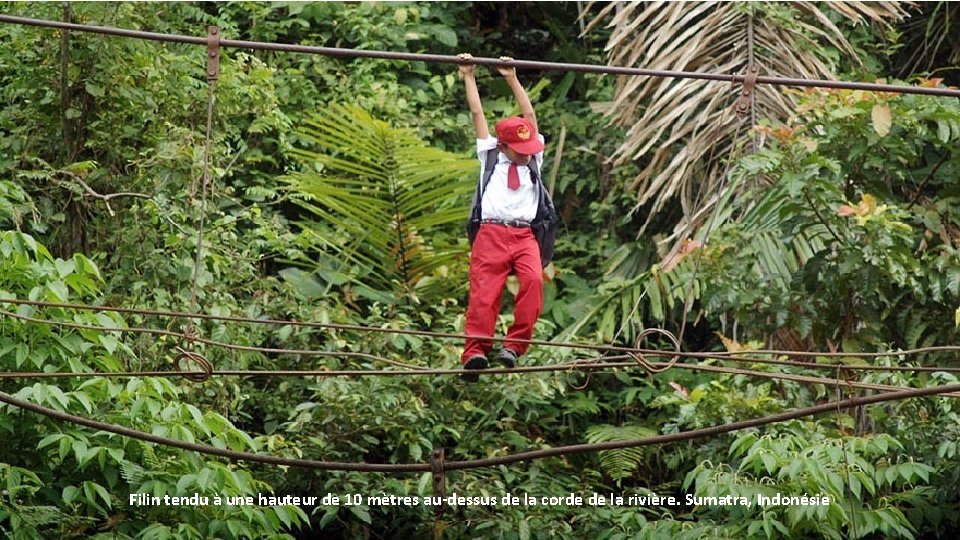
x,y
507,357
474,363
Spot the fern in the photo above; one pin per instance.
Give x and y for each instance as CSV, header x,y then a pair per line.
x,y
131,472
36,517
915,329
621,463
584,404
380,196
150,457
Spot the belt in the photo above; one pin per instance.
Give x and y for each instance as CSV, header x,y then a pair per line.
x,y
519,224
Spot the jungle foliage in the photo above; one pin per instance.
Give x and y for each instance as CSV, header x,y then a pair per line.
x,y
340,189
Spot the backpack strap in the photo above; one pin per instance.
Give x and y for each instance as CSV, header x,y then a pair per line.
x,y
489,164
534,170
473,221
545,222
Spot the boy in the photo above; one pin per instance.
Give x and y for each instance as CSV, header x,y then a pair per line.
x,y
511,227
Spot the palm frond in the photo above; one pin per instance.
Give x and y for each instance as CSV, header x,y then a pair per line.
x,y
930,39
382,192
676,126
622,309
624,305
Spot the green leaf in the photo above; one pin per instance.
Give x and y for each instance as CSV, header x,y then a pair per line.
x,y
84,400
80,452
283,515
59,290
66,444
361,512
943,132
424,483
86,266
57,398
386,193
328,516
65,267
445,35
92,490
109,342
185,482
49,439
890,474
21,354
524,529
855,486
94,90
198,418
70,494
415,451
769,462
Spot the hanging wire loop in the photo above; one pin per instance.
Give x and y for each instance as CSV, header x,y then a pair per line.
x,y
650,367
188,357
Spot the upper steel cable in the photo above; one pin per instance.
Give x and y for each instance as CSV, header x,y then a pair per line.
x,y
449,59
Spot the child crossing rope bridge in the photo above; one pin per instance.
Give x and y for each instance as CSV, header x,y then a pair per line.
x,y
511,227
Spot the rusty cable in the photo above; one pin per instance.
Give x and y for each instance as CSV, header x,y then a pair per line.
x,y
717,355
190,335
352,53
493,62
586,366
478,463
650,367
206,367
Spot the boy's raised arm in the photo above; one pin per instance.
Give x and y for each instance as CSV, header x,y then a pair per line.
x,y
526,108
473,98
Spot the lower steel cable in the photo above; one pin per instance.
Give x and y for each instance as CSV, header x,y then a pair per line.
x,y
477,463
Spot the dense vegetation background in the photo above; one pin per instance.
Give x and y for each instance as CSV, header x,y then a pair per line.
x,y
837,229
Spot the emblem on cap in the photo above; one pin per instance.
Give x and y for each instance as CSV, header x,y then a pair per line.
x,y
523,133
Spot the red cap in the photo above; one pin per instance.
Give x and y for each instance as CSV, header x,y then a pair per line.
x,y
517,133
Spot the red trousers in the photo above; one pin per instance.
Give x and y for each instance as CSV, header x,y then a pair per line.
x,y
497,252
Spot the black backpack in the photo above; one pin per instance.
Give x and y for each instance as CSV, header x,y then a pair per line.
x,y
544,225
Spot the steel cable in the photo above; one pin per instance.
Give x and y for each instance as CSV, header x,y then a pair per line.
x,y
477,463
206,372
740,356
192,337
450,59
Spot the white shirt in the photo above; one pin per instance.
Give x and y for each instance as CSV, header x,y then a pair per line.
x,y
499,201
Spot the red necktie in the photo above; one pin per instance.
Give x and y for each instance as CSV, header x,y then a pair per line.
x,y
513,177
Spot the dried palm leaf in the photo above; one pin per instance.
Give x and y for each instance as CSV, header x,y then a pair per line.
x,y
682,128
931,40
